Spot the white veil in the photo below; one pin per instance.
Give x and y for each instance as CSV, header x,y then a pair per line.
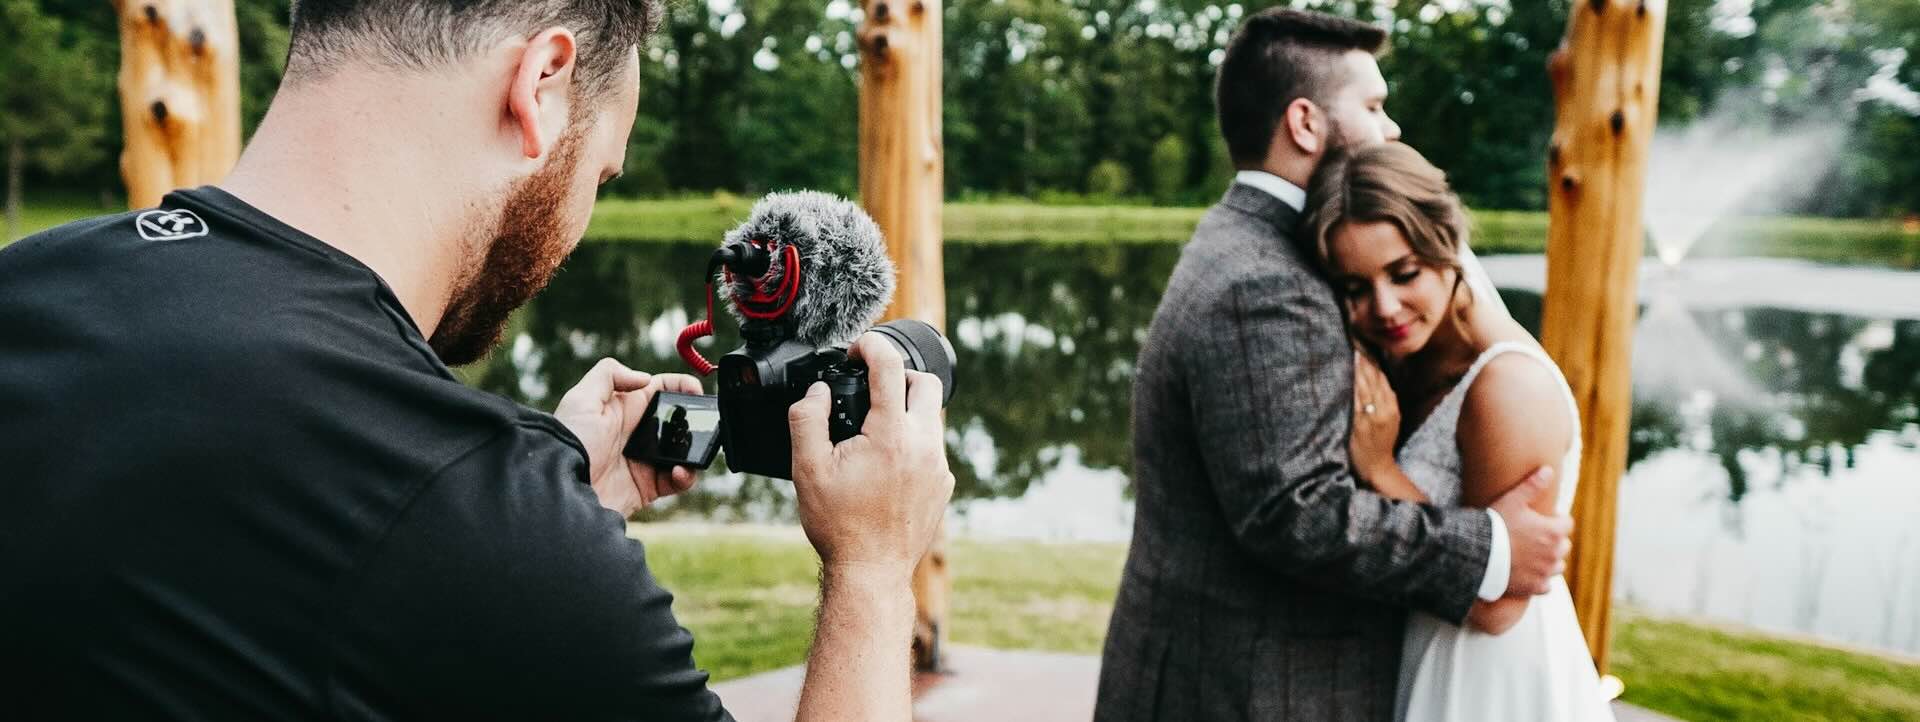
x,y
1480,283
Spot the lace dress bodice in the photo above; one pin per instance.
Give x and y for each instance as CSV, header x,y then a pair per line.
x,y
1431,456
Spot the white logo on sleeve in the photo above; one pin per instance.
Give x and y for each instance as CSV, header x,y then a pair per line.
x,y
166,225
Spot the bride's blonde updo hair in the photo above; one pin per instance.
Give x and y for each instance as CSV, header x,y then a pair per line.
x,y
1391,183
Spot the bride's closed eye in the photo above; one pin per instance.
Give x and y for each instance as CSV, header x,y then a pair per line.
x,y
1354,288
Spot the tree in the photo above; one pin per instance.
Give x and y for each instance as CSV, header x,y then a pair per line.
x,y
55,97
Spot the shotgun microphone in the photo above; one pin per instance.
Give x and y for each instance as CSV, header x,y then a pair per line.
x,y
837,267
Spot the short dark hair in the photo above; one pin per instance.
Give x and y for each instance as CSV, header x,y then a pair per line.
x,y
1277,56
421,34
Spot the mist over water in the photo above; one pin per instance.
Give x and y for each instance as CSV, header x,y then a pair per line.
x,y
1720,165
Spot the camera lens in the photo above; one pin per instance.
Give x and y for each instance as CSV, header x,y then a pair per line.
x,y
923,348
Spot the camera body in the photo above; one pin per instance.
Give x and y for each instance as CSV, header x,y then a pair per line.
x,y
765,377
761,380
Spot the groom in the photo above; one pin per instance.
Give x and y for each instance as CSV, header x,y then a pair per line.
x,y
1264,581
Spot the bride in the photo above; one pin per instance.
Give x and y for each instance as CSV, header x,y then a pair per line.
x,y
1480,404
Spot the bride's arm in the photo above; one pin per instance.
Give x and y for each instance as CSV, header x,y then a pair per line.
x,y
1513,422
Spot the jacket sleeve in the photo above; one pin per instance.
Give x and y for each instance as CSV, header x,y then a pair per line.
x,y
507,592
1271,373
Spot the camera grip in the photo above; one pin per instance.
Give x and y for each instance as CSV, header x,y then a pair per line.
x,y
848,391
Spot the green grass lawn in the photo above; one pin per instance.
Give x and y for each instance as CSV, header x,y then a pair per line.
x,y
35,218
1877,242
748,594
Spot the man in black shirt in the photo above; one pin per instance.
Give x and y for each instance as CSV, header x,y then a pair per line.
x,y
237,479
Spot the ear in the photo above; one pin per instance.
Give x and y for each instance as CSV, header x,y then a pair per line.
x,y
537,100
1301,124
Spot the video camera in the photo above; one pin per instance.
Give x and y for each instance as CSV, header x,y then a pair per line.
x,y
805,276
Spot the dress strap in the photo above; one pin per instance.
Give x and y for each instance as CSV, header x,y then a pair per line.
x,y
1525,349
1494,351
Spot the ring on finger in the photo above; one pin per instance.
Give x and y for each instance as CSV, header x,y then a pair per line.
x,y
1367,409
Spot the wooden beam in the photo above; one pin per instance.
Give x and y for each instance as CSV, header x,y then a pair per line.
x,y
179,94
901,187
1606,83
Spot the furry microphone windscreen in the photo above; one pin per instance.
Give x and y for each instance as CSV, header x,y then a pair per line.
x,y
846,279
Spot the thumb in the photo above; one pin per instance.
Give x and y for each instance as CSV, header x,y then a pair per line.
x,y
807,419
633,410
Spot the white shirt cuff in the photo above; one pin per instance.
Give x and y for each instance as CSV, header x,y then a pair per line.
x,y
1493,586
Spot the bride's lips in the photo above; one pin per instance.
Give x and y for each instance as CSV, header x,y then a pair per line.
x,y
1396,333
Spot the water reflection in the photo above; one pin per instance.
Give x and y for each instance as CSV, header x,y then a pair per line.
x,y
1771,463
1046,336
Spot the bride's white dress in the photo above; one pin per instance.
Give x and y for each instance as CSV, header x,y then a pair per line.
x,y
1538,670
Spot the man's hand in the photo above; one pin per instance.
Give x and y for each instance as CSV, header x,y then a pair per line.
x,y
870,506
602,410
1540,542
874,500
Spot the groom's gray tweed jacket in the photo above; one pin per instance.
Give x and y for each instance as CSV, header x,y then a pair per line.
x,y
1262,583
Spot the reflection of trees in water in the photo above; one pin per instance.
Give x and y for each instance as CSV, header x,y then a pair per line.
x,y
1828,382
1035,393
1047,336
1068,384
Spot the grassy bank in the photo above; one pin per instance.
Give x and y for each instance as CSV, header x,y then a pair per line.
x,y
1876,242
748,595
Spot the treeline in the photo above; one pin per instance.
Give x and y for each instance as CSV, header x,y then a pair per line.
x,y
1108,99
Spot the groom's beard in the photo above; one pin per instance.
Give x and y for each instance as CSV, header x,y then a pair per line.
x,y
1337,135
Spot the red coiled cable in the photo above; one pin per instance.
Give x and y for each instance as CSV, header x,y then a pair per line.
x,y
694,332
761,305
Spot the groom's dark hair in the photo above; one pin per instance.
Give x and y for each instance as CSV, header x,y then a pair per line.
x,y
1276,56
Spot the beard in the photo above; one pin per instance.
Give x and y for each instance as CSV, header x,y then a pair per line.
x,y
1337,139
528,243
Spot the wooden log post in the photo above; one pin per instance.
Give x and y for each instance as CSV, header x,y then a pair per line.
x,y
1606,83
179,94
900,185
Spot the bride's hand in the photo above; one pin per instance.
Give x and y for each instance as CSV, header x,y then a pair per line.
x,y
1376,419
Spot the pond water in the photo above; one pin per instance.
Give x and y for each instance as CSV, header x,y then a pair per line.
x,y
1774,470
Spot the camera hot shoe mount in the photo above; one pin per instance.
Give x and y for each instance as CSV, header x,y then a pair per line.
x,y
753,259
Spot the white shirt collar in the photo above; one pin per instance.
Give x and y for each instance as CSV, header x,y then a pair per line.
x,y
1275,186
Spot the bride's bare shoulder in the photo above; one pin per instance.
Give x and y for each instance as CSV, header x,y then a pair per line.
x,y
1514,420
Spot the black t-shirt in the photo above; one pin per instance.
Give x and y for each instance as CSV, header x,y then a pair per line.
x,y
235,483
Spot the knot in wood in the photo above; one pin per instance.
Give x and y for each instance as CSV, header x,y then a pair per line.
x,y
1617,122
153,14
197,40
159,110
881,12
1599,6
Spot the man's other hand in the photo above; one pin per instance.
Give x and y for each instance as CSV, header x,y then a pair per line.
x,y
602,410
872,502
1540,542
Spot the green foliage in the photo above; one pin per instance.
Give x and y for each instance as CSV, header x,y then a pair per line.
x,y
1046,97
55,89
1109,179
1169,170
